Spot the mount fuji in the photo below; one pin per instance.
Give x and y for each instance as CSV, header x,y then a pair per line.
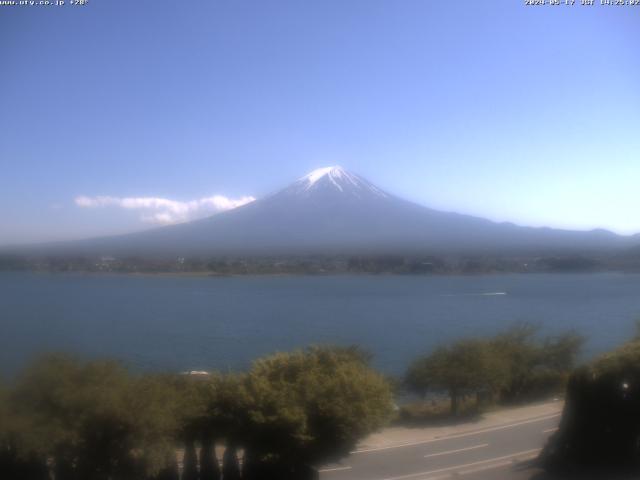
x,y
334,211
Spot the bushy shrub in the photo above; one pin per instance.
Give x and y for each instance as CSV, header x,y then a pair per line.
x,y
600,424
314,405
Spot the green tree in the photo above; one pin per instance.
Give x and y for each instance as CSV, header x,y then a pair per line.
x,y
9,463
209,467
463,368
230,464
195,394
560,353
313,405
94,419
521,354
536,366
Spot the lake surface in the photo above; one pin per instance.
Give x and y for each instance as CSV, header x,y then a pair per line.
x,y
193,323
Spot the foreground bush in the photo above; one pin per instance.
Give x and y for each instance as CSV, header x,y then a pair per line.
x,y
600,425
312,406
77,420
91,420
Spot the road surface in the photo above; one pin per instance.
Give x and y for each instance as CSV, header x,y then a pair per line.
x,y
495,448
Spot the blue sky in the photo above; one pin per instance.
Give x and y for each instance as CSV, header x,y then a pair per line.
x,y
527,114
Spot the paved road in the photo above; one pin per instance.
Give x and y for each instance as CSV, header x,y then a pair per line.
x,y
494,451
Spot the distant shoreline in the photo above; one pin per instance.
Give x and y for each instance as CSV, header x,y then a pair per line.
x,y
326,264
199,274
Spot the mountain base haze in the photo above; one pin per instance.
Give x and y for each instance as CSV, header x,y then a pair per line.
x,y
332,211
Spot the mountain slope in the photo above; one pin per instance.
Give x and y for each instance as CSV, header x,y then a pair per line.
x,y
332,210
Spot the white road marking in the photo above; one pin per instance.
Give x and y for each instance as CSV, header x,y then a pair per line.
x,y
459,435
522,457
456,467
449,452
335,469
549,430
483,468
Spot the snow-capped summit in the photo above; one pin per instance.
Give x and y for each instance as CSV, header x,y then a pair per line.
x,y
335,178
318,173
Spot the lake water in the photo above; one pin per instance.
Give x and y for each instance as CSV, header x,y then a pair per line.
x,y
193,323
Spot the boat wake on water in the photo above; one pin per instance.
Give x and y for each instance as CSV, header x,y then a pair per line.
x,y
487,294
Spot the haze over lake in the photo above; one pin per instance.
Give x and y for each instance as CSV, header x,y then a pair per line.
x,y
185,323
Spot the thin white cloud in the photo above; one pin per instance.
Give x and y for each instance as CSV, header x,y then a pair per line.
x,y
162,211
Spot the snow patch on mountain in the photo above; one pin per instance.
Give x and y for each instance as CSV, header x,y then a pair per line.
x,y
336,178
317,174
